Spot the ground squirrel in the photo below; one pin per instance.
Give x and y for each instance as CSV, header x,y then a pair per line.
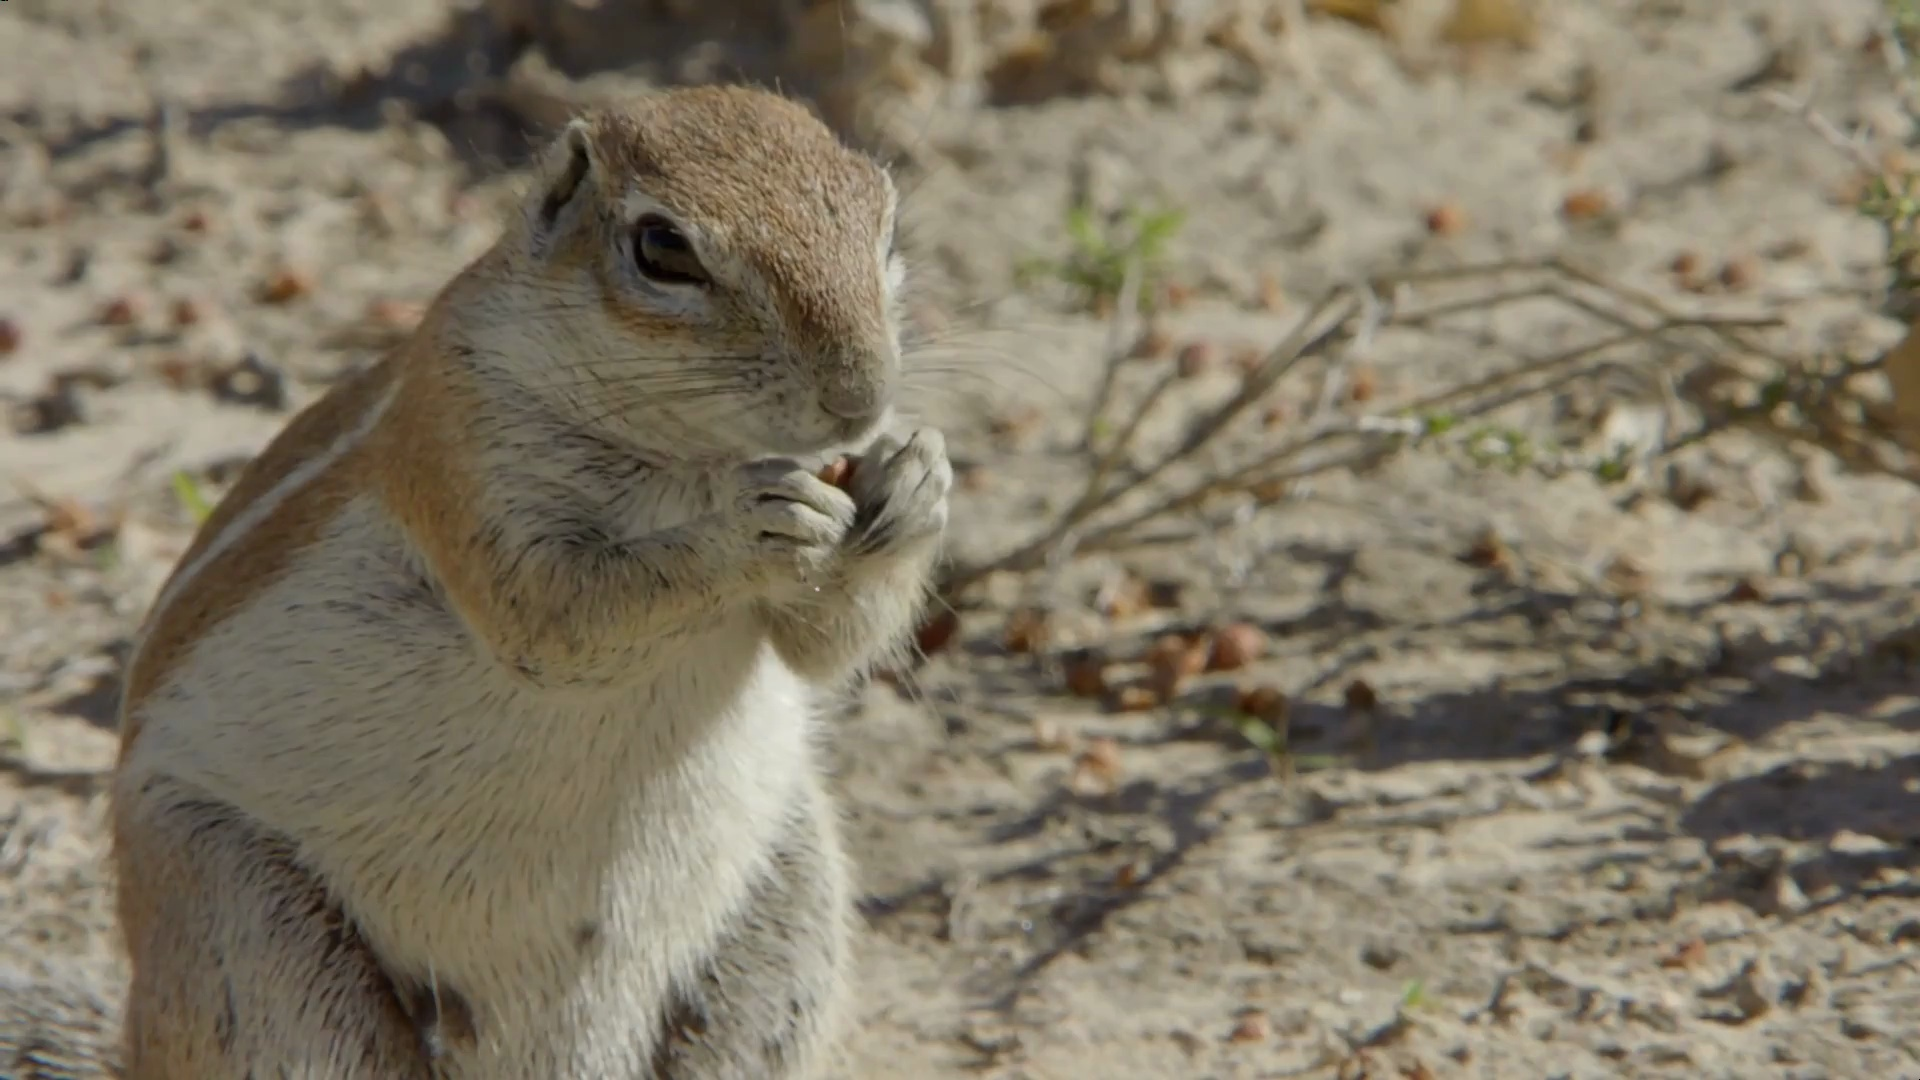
x,y
473,736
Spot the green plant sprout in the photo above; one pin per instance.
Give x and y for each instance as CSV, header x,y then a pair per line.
x,y
187,490
1102,252
1271,740
1892,198
13,731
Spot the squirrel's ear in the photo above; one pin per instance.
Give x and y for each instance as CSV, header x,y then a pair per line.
x,y
564,170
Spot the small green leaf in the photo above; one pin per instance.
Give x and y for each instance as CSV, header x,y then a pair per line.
x,y
187,490
1156,230
1082,230
1614,468
1262,735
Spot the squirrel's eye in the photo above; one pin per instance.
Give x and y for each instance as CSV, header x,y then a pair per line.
x,y
664,254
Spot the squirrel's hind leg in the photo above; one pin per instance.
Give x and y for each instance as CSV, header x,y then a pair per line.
x,y
242,965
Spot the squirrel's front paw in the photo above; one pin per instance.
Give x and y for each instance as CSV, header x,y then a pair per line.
x,y
900,494
795,522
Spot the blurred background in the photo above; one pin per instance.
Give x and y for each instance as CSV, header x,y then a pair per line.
x,y
1432,580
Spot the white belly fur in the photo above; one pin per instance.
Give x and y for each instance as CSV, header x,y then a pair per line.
x,y
485,832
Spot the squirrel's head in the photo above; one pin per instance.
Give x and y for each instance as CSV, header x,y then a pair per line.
x,y
711,266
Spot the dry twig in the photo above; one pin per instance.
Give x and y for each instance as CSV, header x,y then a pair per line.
x,y
1785,399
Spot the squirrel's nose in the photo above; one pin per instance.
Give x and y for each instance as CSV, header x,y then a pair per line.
x,y
853,401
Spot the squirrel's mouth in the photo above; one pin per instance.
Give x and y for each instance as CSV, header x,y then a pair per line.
x,y
860,435
813,442
848,437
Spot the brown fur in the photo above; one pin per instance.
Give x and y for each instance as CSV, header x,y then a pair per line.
x,y
254,561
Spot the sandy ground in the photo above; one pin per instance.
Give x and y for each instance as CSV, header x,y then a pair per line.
x,y
1470,879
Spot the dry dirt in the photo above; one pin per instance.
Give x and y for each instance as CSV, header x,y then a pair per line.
x,y
1640,795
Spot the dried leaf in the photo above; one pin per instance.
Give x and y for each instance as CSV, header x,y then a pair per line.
x,y
1474,22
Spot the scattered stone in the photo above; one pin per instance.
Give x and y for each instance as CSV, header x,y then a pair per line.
x,y
938,631
1140,697
1028,630
1195,359
1266,704
188,312
1585,205
1097,768
1271,296
1086,676
1361,697
1153,343
1234,646
1447,219
1253,1026
284,286
1381,956
253,381
1487,551
122,311
56,408
1173,659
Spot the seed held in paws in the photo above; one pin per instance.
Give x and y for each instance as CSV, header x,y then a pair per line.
x,y
838,472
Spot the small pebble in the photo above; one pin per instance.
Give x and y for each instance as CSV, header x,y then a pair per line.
x,y
1153,343
1266,704
1739,274
935,634
1447,219
1086,677
1272,296
1027,631
285,286
1361,697
121,311
1585,205
1234,646
1251,1027
1194,359
252,381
